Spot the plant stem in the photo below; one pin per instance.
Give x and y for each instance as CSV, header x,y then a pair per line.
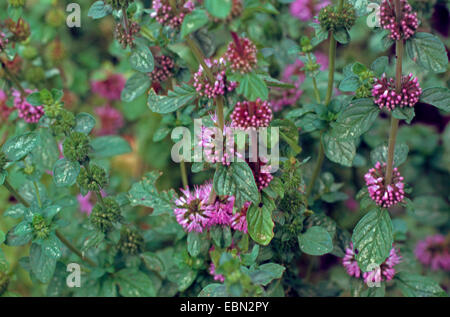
x,y
14,80
66,242
200,57
38,196
74,249
398,87
316,90
317,169
184,178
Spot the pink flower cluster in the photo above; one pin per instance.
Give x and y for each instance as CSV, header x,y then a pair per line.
x,y
163,69
207,141
109,88
385,94
407,24
194,212
3,41
434,252
241,54
168,16
220,85
384,196
251,114
28,112
305,10
111,120
385,272
261,173
217,277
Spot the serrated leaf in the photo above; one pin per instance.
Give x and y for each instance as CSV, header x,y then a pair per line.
x,y
145,193
414,285
372,239
315,241
134,283
110,145
179,97
65,172
379,65
135,86
349,84
266,273
214,290
428,51
406,114
339,151
193,21
42,265
236,180
99,10
19,146
141,59
219,8
253,87
380,154
84,123
438,97
259,221
342,36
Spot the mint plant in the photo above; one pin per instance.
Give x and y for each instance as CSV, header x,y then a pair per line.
x,y
224,148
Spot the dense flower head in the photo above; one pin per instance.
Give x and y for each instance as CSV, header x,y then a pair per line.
x,y
76,147
305,10
111,120
209,141
331,18
241,54
86,202
434,252
19,29
385,94
403,27
3,41
384,196
239,219
251,114
126,37
261,173
220,86
192,207
28,112
109,88
118,4
93,179
220,212
164,66
131,241
168,16
385,272
105,215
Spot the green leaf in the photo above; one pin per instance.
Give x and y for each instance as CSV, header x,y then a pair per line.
x,y
179,97
430,210
161,133
427,51
249,259
2,237
315,241
65,172
339,151
236,180
380,65
99,10
42,265
51,247
145,193
194,21
349,84
219,8
253,87
414,285
380,154
214,290
19,235
356,119
375,291
373,238
111,145
193,243
3,175
134,283
259,221
154,263
141,59
135,86
342,36
84,123
438,97
406,114
266,273
34,99
19,146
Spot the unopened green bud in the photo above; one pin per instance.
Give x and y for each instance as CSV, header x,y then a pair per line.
x,y
104,217
93,179
65,120
131,241
332,19
40,228
76,147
